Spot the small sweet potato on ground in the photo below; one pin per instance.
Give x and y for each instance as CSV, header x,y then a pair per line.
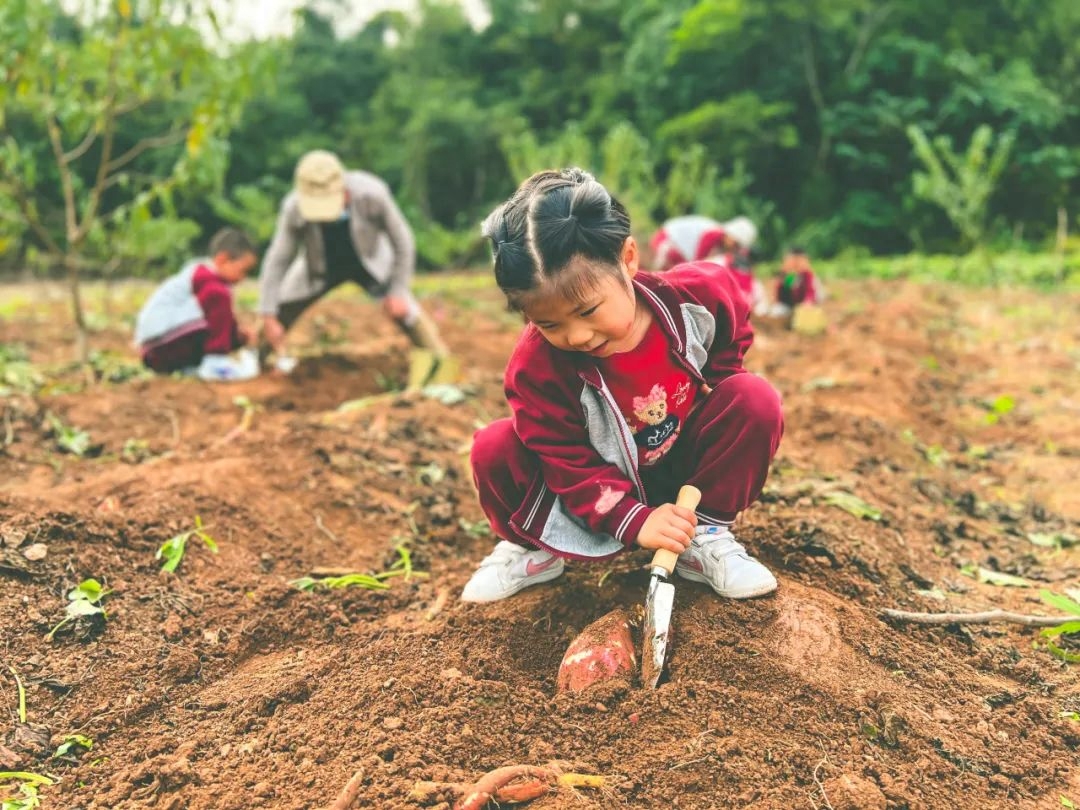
x,y
601,651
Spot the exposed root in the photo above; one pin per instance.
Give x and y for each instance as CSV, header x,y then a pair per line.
x,y
348,793
510,784
988,617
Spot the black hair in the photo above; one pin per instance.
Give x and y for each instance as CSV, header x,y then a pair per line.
x,y
232,242
797,250
553,218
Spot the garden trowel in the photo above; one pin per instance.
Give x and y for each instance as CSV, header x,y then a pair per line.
x,y
659,602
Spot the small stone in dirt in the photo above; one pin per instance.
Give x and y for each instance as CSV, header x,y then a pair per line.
x,y
9,760
392,723
182,665
848,792
12,538
634,717
451,673
35,552
172,628
264,790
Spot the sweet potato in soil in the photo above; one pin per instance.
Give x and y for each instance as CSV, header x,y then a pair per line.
x,y
604,650
222,687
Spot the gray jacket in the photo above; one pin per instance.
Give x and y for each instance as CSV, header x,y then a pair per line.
x,y
382,237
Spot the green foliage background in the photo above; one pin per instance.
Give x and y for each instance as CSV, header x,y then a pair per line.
x,y
833,123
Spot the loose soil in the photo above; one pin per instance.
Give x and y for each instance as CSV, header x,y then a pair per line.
x,y
224,686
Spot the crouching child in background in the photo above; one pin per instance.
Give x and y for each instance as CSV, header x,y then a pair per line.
x,y
188,323
796,284
799,295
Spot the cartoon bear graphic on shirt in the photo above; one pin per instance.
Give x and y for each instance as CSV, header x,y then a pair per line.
x,y
660,429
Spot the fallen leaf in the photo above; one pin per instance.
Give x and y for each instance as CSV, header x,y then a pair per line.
x,y
853,505
989,577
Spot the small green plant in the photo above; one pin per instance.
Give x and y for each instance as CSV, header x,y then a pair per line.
x,y
402,567
329,334
73,744
367,581
69,439
28,784
936,455
17,374
135,451
1069,627
388,383
172,550
479,528
1066,802
1055,540
117,368
998,408
83,600
991,577
853,505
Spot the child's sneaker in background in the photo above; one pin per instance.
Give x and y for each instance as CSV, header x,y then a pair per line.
x,y
714,557
508,569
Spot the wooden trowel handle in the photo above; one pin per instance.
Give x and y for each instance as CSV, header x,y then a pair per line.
x,y
689,498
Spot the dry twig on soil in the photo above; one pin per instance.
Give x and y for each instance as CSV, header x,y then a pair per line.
x,y
820,788
438,604
348,793
322,527
989,617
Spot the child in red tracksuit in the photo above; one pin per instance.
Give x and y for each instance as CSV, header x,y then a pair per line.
x,y
796,283
188,322
623,387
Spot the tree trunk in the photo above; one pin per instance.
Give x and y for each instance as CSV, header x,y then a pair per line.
x,y
1062,241
82,349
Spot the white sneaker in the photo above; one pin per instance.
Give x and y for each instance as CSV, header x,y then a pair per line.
x,y
508,569
714,557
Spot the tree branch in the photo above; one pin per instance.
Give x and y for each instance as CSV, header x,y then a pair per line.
x,y
80,150
988,617
56,140
32,219
813,82
873,20
109,129
156,142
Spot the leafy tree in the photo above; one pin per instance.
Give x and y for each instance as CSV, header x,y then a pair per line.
x,y
89,91
961,184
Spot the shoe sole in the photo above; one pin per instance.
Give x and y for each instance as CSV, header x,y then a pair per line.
x,y
761,590
546,576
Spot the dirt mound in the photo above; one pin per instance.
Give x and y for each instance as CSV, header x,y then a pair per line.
x,y
928,434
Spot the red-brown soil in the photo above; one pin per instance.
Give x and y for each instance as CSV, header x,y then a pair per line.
x,y
222,686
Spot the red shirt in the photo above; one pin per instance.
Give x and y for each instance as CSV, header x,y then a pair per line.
x,y
220,336
654,394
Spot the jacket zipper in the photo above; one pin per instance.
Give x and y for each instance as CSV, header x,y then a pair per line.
x,y
630,453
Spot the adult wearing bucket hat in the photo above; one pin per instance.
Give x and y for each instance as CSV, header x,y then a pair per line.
x,y
335,226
